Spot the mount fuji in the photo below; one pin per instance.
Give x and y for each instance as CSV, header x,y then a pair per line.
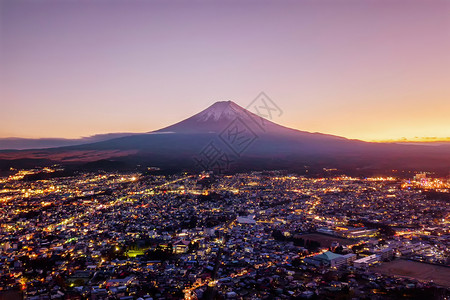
x,y
218,116
230,137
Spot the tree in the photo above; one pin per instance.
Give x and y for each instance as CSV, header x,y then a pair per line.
x,y
339,249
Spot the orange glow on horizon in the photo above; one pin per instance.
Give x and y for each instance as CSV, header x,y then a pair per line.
x,y
414,140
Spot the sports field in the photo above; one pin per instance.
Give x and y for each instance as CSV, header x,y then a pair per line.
x,y
326,240
417,270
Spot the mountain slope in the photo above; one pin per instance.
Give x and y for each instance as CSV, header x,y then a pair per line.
x,y
218,116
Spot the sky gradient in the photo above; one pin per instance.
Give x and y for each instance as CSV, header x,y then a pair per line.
x,y
370,70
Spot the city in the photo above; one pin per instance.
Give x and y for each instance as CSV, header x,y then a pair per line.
x,y
224,149
258,235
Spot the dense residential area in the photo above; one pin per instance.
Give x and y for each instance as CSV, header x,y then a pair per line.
x,y
259,235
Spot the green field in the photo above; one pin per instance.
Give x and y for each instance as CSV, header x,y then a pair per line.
x,y
134,253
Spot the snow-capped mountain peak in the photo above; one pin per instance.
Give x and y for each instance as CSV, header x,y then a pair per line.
x,y
216,118
221,110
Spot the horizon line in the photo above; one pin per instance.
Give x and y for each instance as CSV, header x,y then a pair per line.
x,y
422,140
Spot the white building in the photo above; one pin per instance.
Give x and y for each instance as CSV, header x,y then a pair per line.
x,y
250,219
366,261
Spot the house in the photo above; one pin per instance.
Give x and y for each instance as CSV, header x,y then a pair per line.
x,y
181,246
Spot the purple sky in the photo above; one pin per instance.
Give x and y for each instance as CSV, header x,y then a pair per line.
x,y
372,70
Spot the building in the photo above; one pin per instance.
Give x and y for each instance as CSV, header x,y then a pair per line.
x,y
331,259
385,254
349,258
359,233
366,261
181,246
246,220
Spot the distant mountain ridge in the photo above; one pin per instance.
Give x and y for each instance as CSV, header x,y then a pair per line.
x,y
15,143
227,136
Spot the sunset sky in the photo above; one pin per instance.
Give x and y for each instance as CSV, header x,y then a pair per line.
x,y
371,70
